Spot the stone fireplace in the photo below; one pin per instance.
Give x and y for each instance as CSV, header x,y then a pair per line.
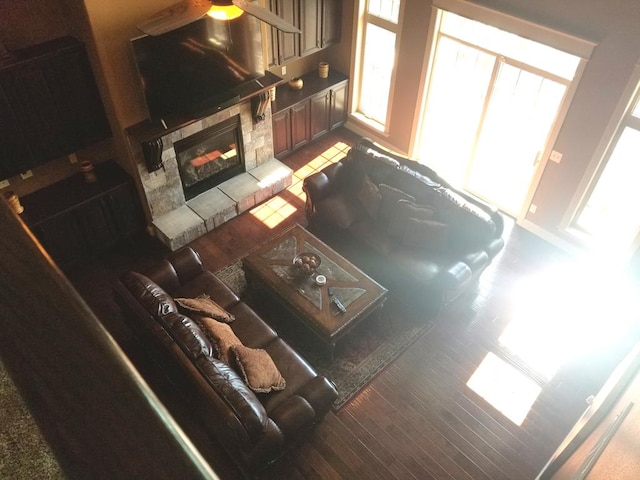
x,y
178,218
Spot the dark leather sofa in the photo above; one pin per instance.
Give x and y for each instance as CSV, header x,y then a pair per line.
x,y
403,224
254,428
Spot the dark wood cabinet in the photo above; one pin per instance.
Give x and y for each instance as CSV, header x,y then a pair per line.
x,y
319,104
299,116
330,25
49,105
338,104
282,132
318,20
311,27
299,124
73,219
285,46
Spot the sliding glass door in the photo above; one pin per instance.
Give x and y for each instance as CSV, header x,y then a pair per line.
x,y
493,98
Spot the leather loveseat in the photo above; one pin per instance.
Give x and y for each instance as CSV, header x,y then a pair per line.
x,y
403,224
254,428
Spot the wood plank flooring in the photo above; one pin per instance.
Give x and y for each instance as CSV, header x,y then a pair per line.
x,y
417,419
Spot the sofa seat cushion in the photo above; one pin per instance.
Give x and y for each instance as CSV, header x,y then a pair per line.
x,y
208,283
250,328
294,369
257,369
340,209
428,235
404,212
373,235
416,265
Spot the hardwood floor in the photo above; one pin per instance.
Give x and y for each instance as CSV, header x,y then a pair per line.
x,y
418,418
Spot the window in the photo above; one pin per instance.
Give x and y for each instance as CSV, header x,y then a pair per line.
x,y
608,216
378,56
493,99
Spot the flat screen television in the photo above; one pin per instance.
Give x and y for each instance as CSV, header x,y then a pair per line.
x,y
198,66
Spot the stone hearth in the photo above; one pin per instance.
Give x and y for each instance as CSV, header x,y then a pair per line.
x,y
176,221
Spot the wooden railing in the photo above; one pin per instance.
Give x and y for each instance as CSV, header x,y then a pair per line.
x,y
98,415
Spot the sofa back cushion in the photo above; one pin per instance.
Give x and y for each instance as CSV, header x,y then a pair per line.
x,y
231,388
188,335
471,227
390,198
151,296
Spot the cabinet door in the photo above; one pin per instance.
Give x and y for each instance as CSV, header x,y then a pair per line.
x,y
75,96
281,132
319,123
15,155
288,44
338,109
331,22
97,225
36,114
299,124
125,210
311,26
61,238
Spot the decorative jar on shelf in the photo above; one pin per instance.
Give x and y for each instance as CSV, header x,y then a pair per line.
x,y
89,174
323,69
296,83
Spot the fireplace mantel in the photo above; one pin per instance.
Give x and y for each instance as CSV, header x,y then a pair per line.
x,y
148,130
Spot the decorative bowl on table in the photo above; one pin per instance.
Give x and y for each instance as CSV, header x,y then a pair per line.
x,y
307,263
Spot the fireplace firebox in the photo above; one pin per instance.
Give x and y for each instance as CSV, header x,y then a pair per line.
x,y
211,156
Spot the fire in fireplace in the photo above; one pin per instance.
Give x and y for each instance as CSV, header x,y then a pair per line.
x,y
209,157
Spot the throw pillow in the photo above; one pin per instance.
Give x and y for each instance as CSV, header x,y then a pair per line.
x,y
257,369
426,234
404,211
390,197
370,196
203,305
221,335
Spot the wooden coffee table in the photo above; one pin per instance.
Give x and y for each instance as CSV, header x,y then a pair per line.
x,y
270,267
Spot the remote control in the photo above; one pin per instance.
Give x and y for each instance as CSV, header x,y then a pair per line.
x,y
338,304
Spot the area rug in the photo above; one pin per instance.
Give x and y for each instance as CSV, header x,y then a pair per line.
x,y
359,357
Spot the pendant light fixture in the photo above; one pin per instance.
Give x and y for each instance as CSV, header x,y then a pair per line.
x,y
224,10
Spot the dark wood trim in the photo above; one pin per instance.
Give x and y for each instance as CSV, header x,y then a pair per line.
x,y
95,411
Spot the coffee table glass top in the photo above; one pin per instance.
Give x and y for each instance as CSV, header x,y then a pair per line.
x,y
305,285
271,265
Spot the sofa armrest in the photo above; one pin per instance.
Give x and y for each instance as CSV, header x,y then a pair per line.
x,y
456,275
319,186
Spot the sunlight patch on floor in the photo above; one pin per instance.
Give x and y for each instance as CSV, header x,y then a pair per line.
x,y
277,209
506,388
568,313
273,212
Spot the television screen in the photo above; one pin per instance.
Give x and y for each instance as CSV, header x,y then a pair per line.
x,y
198,66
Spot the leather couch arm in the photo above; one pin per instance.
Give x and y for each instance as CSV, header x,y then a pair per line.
x,y
178,269
319,186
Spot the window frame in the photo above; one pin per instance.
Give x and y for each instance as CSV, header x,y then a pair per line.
x,y
366,18
620,119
